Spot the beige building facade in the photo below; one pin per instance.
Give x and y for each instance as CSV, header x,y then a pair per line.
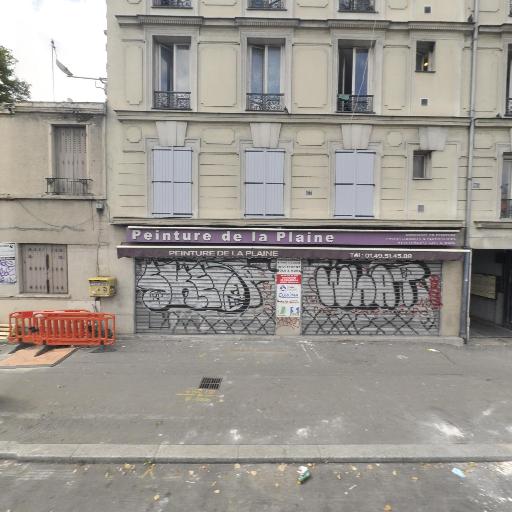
x,y
286,167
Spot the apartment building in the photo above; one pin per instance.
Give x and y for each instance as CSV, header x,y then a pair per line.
x,y
52,204
303,166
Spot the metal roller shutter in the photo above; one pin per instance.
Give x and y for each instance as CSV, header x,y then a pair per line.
x,y
205,297
371,298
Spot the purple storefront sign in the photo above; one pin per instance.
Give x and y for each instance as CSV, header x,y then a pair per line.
x,y
224,252
289,237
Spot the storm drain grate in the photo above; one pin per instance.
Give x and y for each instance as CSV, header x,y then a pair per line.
x,y
210,383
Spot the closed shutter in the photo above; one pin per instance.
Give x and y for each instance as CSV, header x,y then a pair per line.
x,y
354,184
57,269
35,276
264,183
45,268
344,297
205,297
274,183
70,152
172,182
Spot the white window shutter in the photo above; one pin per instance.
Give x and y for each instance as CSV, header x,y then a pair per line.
x,y
254,183
345,200
162,183
182,201
365,184
274,183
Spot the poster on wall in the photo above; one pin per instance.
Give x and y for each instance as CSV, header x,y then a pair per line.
x,y
7,263
288,289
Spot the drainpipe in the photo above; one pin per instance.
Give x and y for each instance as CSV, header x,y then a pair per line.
x,y
466,285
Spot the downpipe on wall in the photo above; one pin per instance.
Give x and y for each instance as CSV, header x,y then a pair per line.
x,y
464,331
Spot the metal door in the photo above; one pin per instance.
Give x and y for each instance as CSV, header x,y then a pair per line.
x,y
371,298
205,297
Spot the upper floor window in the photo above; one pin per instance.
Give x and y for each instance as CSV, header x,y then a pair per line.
x,y
265,78
70,162
425,56
421,167
357,5
44,268
171,184
506,188
173,4
277,5
354,184
264,183
508,106
353,80
172,80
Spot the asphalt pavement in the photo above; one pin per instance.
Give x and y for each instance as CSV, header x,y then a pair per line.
x,y
289,396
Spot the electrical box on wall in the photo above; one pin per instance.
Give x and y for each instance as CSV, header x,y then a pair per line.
x,y
102,286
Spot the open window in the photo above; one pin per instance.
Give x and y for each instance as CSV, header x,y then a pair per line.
x,y
506,187
172,75
265,80
421,165
425,51
354,84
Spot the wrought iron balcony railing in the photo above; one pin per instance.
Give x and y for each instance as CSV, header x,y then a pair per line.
x,y
265,102
68,186
173,4
508,111
357,6
506,209
277,5
171,100
352,104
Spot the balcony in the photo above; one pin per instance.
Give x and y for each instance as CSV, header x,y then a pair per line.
x,y
173,4
265,102
171,100
357,6
68,186
267,5
350,104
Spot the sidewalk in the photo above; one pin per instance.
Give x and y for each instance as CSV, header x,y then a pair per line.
x,y
280,400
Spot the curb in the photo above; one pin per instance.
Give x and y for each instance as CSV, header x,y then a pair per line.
x,y
253,454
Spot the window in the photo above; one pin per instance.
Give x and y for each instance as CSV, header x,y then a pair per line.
x,y
421,163
45,268
264,183
70,162
353,83
425,56
171,182
277,5
506,188
265,78
357,5
508,106
173,76
354,184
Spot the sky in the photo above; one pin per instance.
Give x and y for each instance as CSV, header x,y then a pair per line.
x,y
76,26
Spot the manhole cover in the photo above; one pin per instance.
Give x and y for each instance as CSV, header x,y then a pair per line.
x,y
210,383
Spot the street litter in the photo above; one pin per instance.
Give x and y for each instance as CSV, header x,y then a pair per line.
x,y
458,472
303,474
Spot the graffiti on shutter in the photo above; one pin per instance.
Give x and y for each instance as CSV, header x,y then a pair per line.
x,y
368,298
208,297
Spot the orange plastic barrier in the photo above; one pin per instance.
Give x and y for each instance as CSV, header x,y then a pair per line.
x,y
69,327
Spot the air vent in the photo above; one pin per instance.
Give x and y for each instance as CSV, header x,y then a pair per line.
x,y
424,102
421,208
428,9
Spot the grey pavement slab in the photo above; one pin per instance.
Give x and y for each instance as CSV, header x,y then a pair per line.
x,y
29,487
284,392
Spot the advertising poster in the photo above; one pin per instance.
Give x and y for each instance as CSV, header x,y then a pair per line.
x,y
7,263
288,288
